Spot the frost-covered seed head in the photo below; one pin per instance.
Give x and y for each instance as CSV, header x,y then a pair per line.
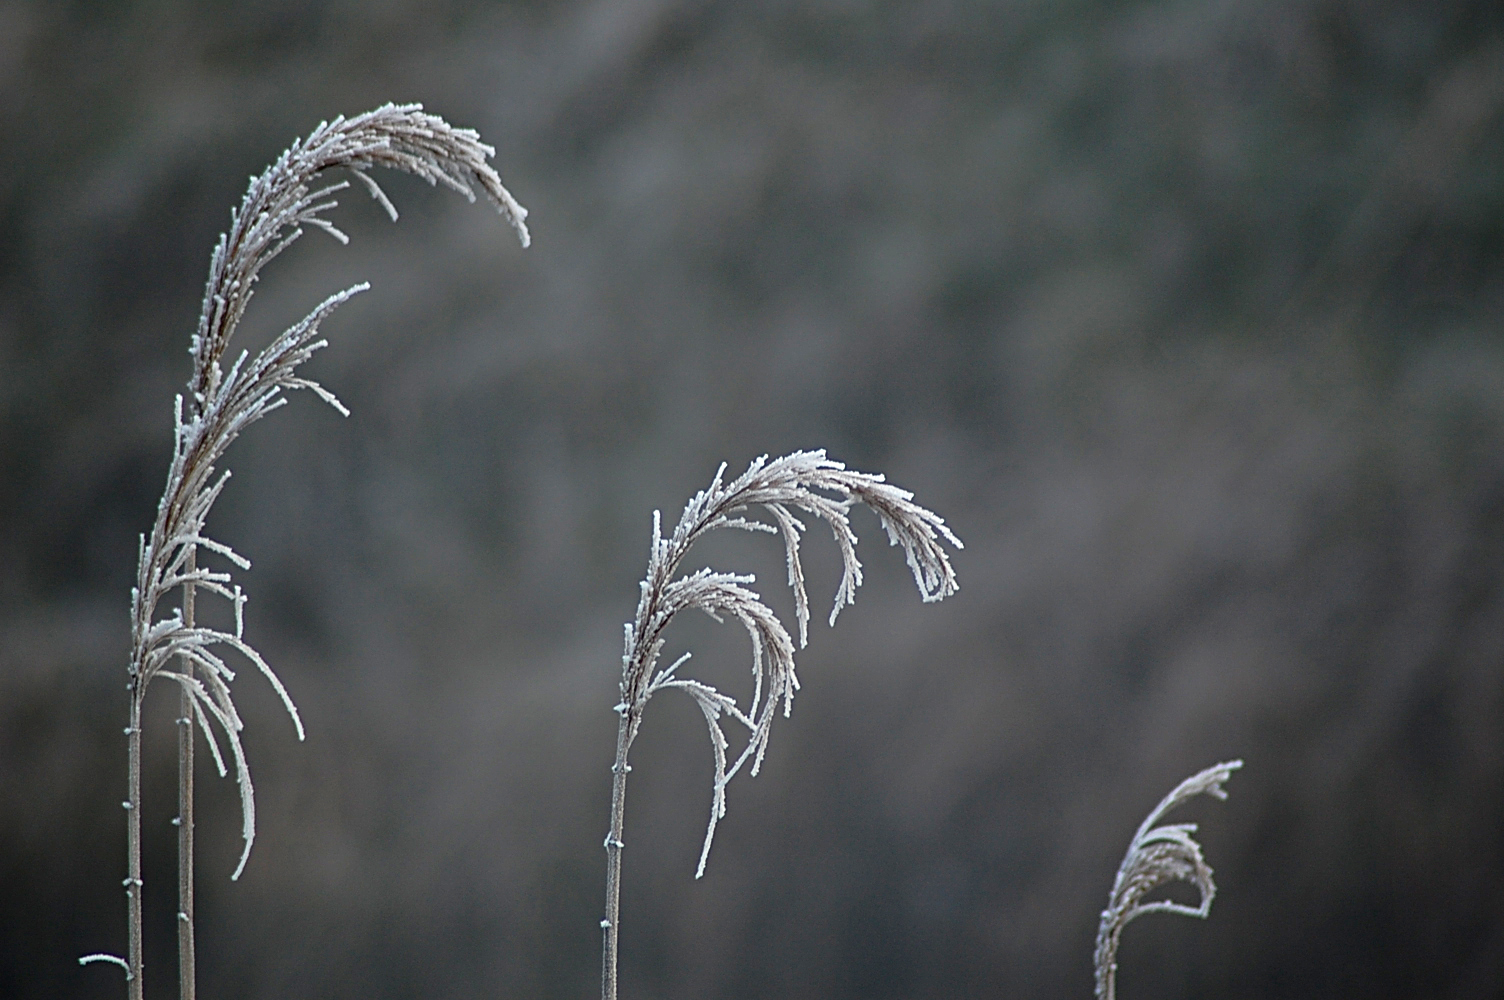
x,y
797,482
219,404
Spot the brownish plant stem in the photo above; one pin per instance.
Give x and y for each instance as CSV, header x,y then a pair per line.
x,y
187,987
614,845
133,844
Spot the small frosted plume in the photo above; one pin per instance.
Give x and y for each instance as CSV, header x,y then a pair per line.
x,y
1157,856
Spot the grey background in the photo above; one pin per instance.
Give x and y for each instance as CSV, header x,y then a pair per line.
x,y
1186,315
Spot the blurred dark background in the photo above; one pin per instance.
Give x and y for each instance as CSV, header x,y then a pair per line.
x,y
1186,315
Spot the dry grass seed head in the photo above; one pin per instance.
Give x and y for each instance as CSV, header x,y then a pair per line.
x,y
1157,856
220,404
780,487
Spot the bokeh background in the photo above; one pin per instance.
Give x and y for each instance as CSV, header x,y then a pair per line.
x,y
1186,315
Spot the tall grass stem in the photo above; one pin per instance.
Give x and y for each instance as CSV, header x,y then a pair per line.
x,y
223,398
187,972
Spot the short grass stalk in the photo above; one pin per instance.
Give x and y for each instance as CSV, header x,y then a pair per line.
x,y
614,847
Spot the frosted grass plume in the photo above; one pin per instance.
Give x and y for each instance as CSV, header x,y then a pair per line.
x,y
218,406
780,487
1157,856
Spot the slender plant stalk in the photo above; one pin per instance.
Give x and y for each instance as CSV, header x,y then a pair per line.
x,y
133,843
612,921
219,405
187,974
778,487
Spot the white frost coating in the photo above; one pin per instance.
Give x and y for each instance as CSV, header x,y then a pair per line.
x,y
114,959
